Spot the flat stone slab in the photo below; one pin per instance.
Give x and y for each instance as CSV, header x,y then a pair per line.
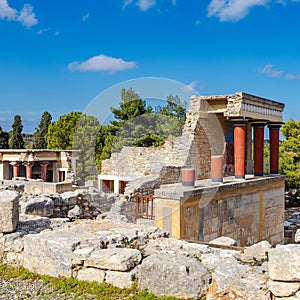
x,y
9,211
284,263
118,259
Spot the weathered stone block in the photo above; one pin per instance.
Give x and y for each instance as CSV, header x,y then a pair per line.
x,y
284,263
283,289
118,259
38,206
258,252
9,211
122,280
157,273
232,280
91,274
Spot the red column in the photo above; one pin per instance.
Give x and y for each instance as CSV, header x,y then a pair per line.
x,y
239,149
28,166
259,129
274,147
217,168
44,165
15,165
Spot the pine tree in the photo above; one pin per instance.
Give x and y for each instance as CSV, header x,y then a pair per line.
x,y
41,131
4,139
16,140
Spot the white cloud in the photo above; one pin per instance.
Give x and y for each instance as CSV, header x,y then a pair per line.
x,y
232,10
269,70
190,87
86,17
198,22
56,33
292,77
174,2
26,16
144,5
126,3
102,63
41,31
6,12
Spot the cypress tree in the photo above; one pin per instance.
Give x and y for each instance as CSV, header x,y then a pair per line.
x,y
17,141
41,131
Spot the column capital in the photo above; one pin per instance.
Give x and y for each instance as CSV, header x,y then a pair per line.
x,y
44,163
259,123
240,122
28,163
275,125
15,163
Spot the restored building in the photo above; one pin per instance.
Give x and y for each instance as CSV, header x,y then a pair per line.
x,y
210,181
47,165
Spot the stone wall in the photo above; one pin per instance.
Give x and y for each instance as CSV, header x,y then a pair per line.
x,y
35,186
123,255
202,136
247,211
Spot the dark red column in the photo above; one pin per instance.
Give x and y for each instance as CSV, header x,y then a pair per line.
x,y
274,147
28,166
259,140
239,149
44,170
15,165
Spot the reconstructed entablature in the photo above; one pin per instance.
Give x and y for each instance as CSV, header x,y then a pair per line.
x,y
242,105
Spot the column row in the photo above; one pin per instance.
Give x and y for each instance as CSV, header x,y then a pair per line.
x,y
243,150
29,165
258,155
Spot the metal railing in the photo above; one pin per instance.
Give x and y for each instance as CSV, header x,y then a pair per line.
x,y
144,206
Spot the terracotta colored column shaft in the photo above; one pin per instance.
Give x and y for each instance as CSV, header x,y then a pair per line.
x,y
188,177
274,149
15,165
239,150
44,170
258,150
29,170
217,168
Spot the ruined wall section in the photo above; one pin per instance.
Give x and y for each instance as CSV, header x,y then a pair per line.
x,y
191,149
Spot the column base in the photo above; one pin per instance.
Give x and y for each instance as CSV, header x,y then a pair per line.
x,y
258,174
274,172
188,183
217,179
239,176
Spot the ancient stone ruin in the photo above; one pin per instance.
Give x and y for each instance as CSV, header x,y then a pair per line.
x,y
218,222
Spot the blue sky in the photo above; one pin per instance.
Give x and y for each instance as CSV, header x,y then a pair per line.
x,y
59,55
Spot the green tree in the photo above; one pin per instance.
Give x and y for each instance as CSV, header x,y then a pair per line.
x,y
41,131
290,153
4,139
266,157
60,133
16,140
131,106
84,139
136,124
174,108
104,143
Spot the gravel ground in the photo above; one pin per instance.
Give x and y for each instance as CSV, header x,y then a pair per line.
x,y
28,289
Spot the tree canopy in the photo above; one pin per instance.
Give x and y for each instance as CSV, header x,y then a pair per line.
x,y
4,139
41,131
16,139
290,153
84,139
60,133
136,124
